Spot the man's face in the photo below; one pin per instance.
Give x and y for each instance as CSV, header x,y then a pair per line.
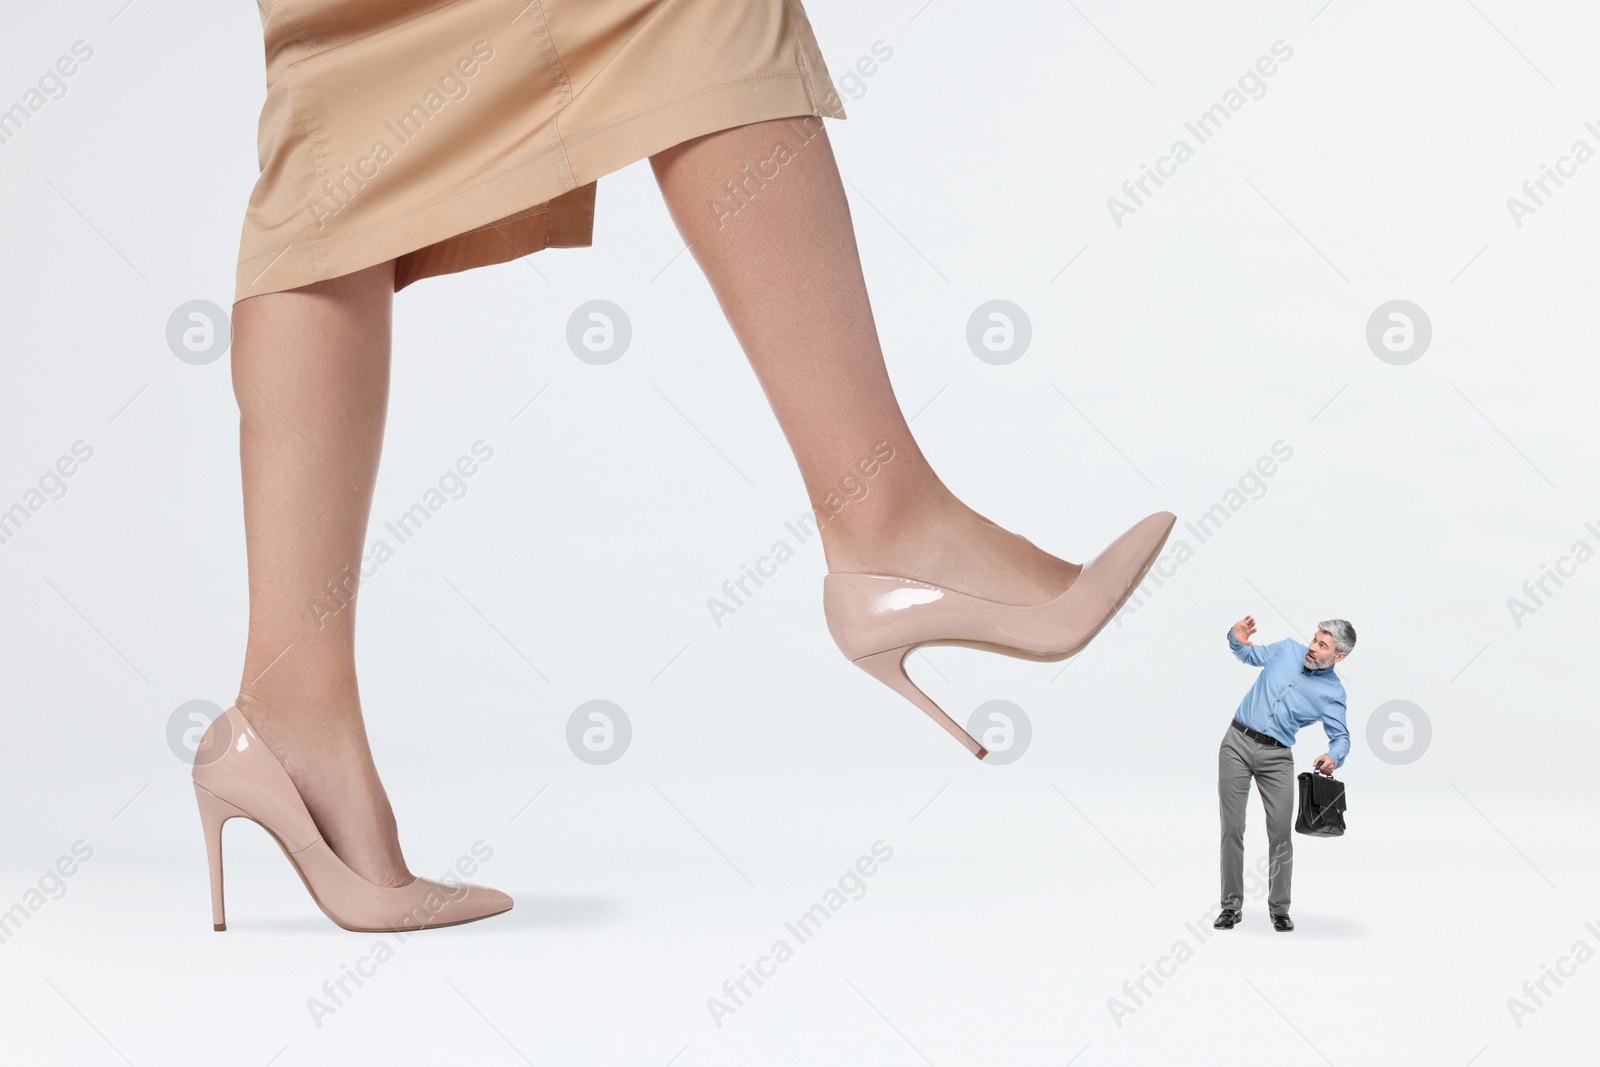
x,y
1320,654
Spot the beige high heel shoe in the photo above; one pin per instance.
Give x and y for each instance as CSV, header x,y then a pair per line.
x,y
877,620
237,776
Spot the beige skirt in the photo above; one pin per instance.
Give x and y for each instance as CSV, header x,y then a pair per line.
x,y
451,134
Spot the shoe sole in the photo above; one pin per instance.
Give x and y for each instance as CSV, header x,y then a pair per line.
x,y
220,927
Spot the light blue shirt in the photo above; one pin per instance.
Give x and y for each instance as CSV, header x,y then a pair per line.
x,y
1287,697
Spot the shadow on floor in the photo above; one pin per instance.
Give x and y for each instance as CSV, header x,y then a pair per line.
x,y
538,911
1308,926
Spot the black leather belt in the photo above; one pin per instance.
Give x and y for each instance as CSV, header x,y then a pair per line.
x,y
1257,735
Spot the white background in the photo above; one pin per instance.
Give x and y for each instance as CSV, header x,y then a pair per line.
x,y
1227,314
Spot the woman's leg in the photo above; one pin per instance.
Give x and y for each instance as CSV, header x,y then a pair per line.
x,y
311,375
785,269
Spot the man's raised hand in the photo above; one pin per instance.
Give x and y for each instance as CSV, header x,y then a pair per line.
x,y
1243,629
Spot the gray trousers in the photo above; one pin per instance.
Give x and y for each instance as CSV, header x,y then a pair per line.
x,y
1238,760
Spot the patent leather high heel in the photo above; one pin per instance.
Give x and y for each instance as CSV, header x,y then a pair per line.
x,y
877,620
237,776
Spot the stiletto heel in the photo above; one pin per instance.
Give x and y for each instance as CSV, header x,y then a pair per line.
x,y
879,619
889,668
215,811
237,776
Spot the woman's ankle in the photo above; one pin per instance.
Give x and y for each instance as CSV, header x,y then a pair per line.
x,y
889,534
310,707
257,712
323,747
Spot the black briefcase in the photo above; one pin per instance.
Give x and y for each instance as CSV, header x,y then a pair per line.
x,y
1322,805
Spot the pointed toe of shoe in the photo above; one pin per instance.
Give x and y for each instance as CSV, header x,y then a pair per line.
x,y
492,901
1155,527
428,904
1123,563
469,903
1110,578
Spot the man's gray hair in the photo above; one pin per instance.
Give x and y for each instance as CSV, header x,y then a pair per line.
x,y
1343,634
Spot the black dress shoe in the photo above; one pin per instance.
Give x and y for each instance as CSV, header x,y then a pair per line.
x,y
1282,923
1228,917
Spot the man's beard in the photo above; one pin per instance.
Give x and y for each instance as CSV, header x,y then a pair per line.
x,y
1310,663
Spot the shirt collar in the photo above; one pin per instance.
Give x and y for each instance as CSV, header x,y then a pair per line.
x,y
1328,670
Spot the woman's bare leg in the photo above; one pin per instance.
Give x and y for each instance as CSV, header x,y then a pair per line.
x,y
785,269
311,375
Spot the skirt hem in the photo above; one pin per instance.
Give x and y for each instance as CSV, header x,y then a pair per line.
x,y
546,201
